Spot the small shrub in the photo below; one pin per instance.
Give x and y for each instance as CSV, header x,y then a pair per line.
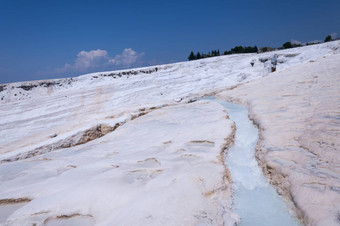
x,y
328,38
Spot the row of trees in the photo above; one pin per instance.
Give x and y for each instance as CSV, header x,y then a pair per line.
x,y
241,49
237,49
249,49
202,55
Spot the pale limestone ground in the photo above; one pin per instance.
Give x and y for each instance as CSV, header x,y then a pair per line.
x,y
165,168
298,113
32,113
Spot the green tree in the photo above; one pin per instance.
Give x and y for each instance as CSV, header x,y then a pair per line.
x,y
198,56
328,38
192,56
287,45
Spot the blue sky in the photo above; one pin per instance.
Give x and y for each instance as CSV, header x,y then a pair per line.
x,y
53,39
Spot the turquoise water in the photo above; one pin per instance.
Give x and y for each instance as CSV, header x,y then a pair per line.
x,y
255,200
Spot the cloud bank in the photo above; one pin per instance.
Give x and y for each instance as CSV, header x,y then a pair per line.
x,y
100,60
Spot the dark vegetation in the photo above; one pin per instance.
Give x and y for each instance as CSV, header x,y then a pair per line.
x,y
199,55
328,38
236,49
249,49
289,45
241,49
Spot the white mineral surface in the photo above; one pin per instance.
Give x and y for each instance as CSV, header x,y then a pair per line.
x,y
164,167
298,113
131,148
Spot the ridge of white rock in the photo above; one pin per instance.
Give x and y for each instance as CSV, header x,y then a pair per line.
x,y
31,112
298,113
64,113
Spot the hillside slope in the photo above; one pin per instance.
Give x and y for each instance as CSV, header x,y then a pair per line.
x,y
52,130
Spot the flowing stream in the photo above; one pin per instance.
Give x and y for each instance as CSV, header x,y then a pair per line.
x,y
255,200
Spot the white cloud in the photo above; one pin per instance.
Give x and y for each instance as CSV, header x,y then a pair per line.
x,y
100,60
127,58
87,60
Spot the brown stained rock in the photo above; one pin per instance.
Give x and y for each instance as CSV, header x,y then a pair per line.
x,y
79,138
12,201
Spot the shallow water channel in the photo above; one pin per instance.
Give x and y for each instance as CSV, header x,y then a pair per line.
x,y
255,200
